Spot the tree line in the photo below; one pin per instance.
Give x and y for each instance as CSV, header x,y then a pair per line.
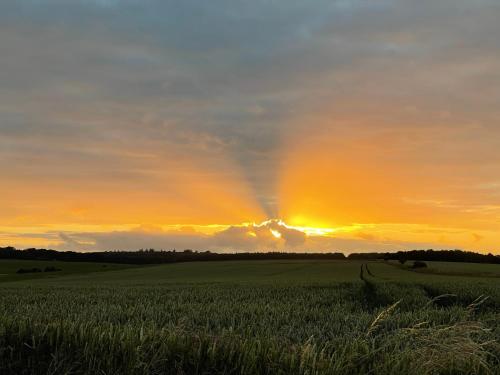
x,y
431,255
151,256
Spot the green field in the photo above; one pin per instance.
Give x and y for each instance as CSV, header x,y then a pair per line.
x,y
463,269
9,268
266,317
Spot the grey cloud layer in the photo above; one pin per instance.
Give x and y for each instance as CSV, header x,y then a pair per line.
x,y
93,82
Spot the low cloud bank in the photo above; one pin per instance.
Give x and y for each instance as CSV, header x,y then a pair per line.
x,y
269,236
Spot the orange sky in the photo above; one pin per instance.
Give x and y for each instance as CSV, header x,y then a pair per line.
x,y
305,126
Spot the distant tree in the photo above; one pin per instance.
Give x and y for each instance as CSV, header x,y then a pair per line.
x,y
29,270
419,264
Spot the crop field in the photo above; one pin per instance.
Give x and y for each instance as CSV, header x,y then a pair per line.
x,y
9,269
251,317
463,269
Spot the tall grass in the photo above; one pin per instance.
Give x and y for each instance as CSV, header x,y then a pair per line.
x,y
250,329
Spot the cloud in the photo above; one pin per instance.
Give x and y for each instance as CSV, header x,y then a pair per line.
x,y
70,243
477,237
271,235
245,237
268,235
366,236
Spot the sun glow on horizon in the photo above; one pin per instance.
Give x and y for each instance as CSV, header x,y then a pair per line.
x,y
269,234
309,230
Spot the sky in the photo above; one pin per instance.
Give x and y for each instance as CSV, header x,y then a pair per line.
x,y
231,125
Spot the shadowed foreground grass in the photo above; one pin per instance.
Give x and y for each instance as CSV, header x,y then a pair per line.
x,y
116,324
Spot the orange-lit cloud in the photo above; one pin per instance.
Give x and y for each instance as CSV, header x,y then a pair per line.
x,y
265,236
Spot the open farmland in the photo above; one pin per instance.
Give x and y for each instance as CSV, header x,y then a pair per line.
x,y
10,269
462,269
289,317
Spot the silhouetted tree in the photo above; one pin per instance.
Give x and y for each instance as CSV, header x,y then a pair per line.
x,y
157,257
419,264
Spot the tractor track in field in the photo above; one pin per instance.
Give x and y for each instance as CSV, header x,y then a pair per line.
x,y
364,268
368,270
370,296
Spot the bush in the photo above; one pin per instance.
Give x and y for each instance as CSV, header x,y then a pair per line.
x,y
28,270
419,264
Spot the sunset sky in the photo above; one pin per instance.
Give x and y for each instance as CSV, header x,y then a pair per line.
x,y
239,125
